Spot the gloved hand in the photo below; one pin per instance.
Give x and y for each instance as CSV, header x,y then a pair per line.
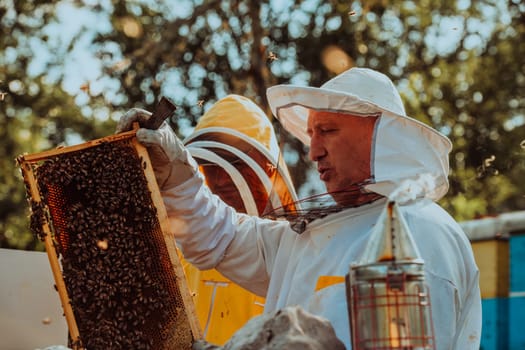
x,y
171,161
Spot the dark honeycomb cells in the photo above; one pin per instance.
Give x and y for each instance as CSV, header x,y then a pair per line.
x,y
117,276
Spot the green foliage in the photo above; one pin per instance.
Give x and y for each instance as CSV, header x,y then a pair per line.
x,y
459,66
35,115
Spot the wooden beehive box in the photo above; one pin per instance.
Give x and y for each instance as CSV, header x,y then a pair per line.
x,y
98,209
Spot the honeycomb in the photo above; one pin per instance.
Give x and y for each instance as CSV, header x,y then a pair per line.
x,y
97,208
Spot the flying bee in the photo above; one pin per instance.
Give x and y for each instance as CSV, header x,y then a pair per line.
x,y
85,88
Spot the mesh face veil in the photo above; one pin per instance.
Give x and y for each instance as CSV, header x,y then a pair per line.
x,y
366,92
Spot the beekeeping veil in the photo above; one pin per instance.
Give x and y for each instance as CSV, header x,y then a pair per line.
x,y
235,145
402,148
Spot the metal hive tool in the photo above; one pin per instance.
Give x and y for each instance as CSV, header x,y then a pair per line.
x,y
98,209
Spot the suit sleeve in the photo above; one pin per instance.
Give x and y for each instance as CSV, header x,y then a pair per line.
x,y
212,234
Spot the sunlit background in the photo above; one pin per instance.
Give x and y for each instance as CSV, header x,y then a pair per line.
x,y
69,69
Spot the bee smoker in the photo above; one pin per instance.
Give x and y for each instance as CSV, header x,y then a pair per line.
x,y
388,300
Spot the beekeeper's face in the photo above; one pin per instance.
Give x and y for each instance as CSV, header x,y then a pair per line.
x,y
341,146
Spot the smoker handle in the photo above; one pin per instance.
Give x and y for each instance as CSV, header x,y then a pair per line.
x,y
163,110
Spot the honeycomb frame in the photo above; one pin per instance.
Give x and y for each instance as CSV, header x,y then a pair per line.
x,y
56,213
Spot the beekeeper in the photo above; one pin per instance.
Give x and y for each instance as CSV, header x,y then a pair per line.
x,y
365,147
236,148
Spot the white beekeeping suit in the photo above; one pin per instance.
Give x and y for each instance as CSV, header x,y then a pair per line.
x,y
270,259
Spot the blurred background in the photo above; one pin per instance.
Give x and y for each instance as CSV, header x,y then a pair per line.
x,y
70,69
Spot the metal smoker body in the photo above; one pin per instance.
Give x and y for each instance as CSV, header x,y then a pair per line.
x,y
388,300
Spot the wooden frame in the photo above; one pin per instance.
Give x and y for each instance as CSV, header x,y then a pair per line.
x,y
28,163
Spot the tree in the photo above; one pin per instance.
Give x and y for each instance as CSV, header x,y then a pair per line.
x,y
458,66
35,113
446,57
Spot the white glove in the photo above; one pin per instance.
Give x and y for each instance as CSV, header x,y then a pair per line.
x,y
172,163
